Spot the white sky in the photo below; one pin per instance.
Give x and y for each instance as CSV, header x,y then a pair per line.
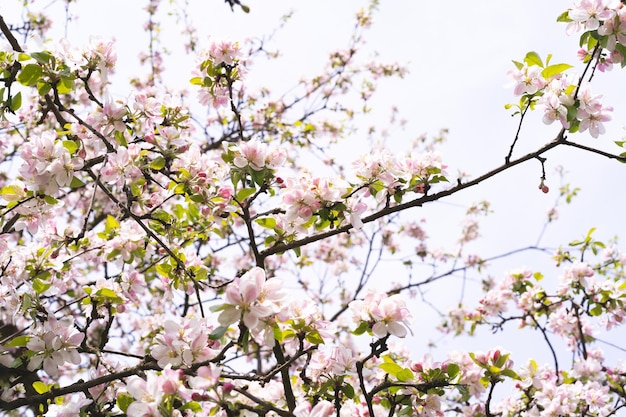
x,y
458,53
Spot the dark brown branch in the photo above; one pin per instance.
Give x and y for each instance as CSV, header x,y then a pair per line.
x,y
594,150
286,377
519,129
7,33
282,247
545,336
76,387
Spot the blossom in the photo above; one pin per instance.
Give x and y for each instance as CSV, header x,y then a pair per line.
x,y
54,345
183,343
148,395
48,164
590,13
387,314
251,298
224,53
69,409
593,121
251,154
119,168
554,109
323,408
615,30
528,80
390,317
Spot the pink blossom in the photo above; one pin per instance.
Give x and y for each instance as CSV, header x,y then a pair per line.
x,y
593,121
251,154
224,53
528,80
54,344
388,314
148,395
251,298
554,110
591,13
69,409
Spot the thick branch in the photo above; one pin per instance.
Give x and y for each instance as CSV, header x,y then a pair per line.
x,y
559,140
76,387
7,33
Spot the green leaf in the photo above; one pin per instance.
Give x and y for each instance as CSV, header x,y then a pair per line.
x,y
391,368
218,333
40,387
43,57
533,58
564,17
192,406
405,375
179,189
452,369
109,295
164,269
15,102
50,200
66,85
19,341
244,193
162,215
124,401
76,182
218,307
158,163
258,176
552,70
29,75
111,223
40,286
510,373
348,391
267,222
70,145
119,137
361,329
596,310
518,64
43,88
314,338
538,276
12,192
589,233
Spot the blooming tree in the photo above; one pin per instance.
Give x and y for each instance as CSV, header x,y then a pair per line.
x,y
163,254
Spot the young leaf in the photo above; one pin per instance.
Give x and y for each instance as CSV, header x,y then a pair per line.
x,y
29,75
533,58
552,70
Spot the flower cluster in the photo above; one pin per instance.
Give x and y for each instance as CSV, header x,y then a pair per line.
x,y
219,69
381,314
53,344
255,301
391,176
183,343
48,164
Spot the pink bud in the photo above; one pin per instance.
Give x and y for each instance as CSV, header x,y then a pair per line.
x,y
228,387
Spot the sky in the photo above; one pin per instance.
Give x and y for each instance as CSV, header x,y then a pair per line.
x,y
458,54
